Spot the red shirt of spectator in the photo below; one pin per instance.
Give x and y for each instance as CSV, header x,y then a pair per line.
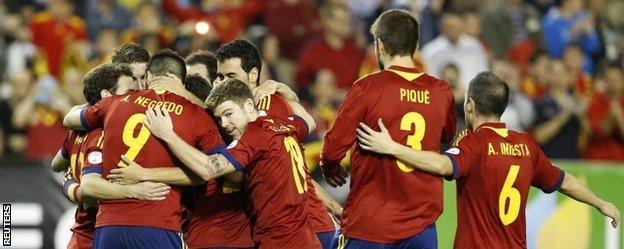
x,y
52,35
603,145
336,51
229,22
291,21
45,135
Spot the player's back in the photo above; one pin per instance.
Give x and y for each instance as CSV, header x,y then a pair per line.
x,y
125,134
418,111
493,187
269,150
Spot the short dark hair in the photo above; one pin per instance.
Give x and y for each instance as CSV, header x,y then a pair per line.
x,y
232,89
130,53
398,30
489,93
103,77
197,86
167,61
245,51
206,58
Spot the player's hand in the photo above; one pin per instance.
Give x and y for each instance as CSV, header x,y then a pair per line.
x,y
131,174
149,191
270,87
335,175
608,209
376,141
159,123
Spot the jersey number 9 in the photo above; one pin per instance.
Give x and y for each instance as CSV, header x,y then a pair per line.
x,y
134,143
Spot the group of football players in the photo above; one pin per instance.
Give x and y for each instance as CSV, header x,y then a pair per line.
x,y
170,153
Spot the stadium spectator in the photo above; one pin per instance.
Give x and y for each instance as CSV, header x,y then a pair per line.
x,y
323,102
535,81
336,51
227,18
55,29
519,114
570,23
40,115
560,125
606,117
11,94
450,73
291,21
150,31
453,46
21,50
573,60
511,29
277,68
106,14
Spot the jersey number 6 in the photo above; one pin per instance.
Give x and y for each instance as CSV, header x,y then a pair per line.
x,y
407,121
509,215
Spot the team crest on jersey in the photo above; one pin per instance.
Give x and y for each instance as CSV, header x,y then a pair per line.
x,y
233,144
94,158
453,151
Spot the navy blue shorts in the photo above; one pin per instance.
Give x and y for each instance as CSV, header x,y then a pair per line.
x,y
427,239
113,237
326,239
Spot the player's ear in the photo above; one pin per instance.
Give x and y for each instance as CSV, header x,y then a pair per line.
x,y
253,75
105,93
380,46
249,105
470,105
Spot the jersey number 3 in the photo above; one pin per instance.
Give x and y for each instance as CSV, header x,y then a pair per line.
x,y
296,159
509,214
134,143
414,140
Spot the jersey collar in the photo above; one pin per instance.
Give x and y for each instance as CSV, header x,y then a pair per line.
x,y
499,127
404,69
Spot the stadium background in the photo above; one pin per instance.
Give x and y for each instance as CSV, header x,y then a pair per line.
x,y
539,47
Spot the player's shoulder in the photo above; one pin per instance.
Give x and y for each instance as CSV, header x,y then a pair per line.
x,y
463,136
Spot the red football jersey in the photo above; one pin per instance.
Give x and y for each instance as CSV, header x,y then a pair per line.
x,y
269,154
218,217
75,149
124,134
276,106
388,201
494,168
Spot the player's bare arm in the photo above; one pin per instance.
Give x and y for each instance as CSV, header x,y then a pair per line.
x,y
332,205
134,173
207,167
94,186
172,84
72,118
381,142
573,188
271,87
59,163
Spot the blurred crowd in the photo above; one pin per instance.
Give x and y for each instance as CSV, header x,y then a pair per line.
x,y
563,59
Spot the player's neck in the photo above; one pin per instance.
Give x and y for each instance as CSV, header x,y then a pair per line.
x,y
482,120
401,61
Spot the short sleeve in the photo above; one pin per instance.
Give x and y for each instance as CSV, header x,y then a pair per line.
x,y
465,152
299,126
208,139
92,117
93,154
245,150
65,147
546,176
275,105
